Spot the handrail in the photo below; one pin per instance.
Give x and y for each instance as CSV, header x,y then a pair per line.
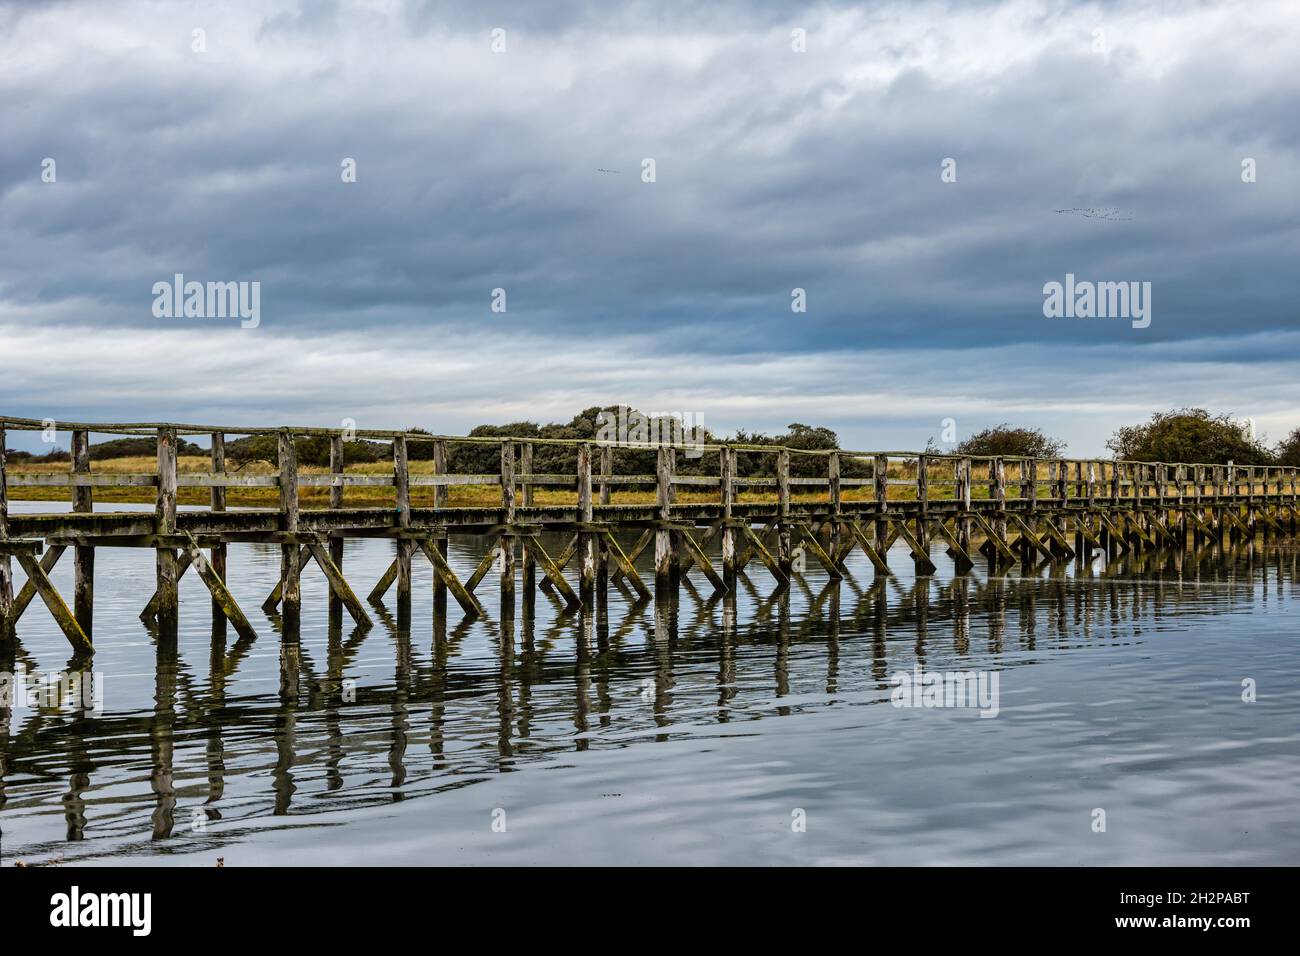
x,y
149,429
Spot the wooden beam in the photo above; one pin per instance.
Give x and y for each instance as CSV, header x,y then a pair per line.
x,y
219,554
339,586
166,571
824,559
83,587
765,556
28,591
623,564
702,561
220,593
464,597
290,554
66,620
557,579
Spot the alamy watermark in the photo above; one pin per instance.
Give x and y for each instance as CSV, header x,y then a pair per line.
x,y
671,429
211,300
79,690
921,688
1101,300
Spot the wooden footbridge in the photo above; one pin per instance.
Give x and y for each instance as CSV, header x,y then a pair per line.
x,y
779,506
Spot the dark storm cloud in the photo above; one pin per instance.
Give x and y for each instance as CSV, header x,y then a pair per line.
x,y
776,170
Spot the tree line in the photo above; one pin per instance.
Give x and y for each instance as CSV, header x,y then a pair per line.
x,y
1178,435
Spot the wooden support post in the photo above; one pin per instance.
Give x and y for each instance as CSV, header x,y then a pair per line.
x,y
529,565
83,588
290,555
335,552
167,571
606,471
586,539
963,480
998,492
784,538
402,484
441,496
603,541
217,501
6,568
836,498
880,489
507,541
664,545
727,478
922,561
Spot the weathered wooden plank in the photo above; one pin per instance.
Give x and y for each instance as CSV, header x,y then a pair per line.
x,y
339,585
64,617
384,583
28,591
217,501
442,570
643,542
664,544
1027,533
402,486
166,571
624,565
818,552
765,556
484,566
702,561
506,543
83,586
290,554
587,541
557,578
220,593
919,553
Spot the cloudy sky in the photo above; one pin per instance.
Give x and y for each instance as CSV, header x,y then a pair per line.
x,y
220,155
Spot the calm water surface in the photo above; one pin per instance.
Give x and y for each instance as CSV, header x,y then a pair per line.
x,y
700,733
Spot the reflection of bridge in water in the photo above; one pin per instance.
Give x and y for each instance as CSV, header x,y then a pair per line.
x,y
641,670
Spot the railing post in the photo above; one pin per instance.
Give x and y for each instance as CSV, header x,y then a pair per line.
x,y
963,478
923,510
1031,483
290,554
337,465
507,542
663,536
83,588
217,501
440,498
727,477
880,487
6,569
165,566
606,471
528,567
836,500
783,510
998,491
586,539
402,498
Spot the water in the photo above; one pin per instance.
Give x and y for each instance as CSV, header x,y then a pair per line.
x,y
749,733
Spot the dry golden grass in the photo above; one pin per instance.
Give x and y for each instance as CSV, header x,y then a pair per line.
x,y
940,479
